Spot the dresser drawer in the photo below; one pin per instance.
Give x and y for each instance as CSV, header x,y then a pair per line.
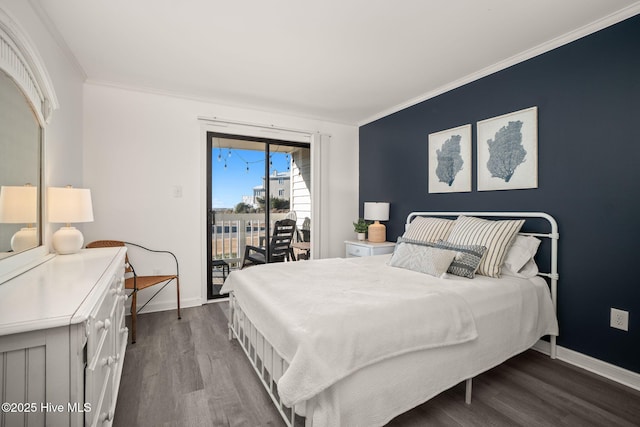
x,y
357,251
104,353
362,248
120,331
99,382
102,319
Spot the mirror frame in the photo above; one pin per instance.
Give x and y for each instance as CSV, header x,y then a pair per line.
x,y
22,63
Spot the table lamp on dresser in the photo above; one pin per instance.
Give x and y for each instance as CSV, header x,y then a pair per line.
x,y
69,205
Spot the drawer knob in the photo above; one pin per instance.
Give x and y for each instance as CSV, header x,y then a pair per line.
x,y
107,416
106,324
108,361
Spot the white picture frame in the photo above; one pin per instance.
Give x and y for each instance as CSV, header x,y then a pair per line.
x,y
449,159
507,151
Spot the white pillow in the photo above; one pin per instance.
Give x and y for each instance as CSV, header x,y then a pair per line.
x,y
429,229
521,251
496,236
423,259
529,270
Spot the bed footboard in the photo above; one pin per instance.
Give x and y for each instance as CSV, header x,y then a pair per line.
x,y
266,362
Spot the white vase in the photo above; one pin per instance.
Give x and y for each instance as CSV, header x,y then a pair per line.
x,y
361,236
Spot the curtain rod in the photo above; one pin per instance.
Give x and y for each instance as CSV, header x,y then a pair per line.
x,y
222,122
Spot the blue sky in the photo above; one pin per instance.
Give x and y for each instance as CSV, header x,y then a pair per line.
x,y
231,183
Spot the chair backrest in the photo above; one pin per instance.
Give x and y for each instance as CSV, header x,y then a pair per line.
x,y
112,244
281,237
306,229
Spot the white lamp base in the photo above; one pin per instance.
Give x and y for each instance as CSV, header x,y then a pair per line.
x,y
67,240
377,232
24,239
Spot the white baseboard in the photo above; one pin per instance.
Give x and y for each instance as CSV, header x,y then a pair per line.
x,y
215,300
604,369
167,306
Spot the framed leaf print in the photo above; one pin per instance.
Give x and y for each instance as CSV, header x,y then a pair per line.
x,y
450,160
508,151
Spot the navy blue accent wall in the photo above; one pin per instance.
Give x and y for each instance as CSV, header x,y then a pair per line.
x,y
588,98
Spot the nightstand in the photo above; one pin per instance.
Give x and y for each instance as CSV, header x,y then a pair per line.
x,y
358,248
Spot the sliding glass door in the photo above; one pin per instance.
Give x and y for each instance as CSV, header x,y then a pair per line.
x,y
253,182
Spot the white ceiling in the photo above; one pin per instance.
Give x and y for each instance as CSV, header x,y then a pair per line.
x,y
348,61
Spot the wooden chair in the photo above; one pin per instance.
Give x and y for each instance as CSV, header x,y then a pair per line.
x,y
136,283
280,246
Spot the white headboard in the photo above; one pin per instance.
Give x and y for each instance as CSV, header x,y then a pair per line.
x,y
551,234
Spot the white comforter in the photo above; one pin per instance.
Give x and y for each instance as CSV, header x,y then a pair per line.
x,y
510,315
329,318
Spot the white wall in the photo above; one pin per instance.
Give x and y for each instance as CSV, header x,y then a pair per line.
x,y
63,136
138,146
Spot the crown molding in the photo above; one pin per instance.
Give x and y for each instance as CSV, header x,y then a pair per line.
x,y
566,38
223,102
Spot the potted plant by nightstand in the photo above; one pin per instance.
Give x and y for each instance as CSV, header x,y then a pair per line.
x,y
360,227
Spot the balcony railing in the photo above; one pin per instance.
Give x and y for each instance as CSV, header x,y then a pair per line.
x,y
233,232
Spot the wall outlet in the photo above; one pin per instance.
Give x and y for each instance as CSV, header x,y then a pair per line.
x,y
619,319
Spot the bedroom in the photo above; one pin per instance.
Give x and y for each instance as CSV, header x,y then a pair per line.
x,y
96,123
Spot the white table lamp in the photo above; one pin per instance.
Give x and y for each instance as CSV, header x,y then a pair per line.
x,y
19,205
69,205
377,211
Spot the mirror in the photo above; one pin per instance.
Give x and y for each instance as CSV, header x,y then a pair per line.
x,y
20,166
27,101
20,149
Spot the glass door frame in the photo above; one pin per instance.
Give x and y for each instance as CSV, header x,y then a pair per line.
x,y
210,213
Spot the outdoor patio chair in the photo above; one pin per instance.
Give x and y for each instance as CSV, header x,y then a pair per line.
x,y
280,245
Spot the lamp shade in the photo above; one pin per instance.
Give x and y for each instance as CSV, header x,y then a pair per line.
x,y
376,211
18,204
69,205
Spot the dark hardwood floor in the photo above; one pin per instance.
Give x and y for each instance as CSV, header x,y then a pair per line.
x,y
186,373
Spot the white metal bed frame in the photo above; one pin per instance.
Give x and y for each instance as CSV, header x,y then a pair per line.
x,y
269,365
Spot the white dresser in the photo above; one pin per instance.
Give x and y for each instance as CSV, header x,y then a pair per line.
x,y
62,341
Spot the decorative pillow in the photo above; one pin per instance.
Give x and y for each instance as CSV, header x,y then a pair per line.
x,y
429,229
403,239
496,236
422,258
521,251
466,261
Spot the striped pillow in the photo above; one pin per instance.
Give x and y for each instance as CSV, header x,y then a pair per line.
x,y
429,229
496,236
